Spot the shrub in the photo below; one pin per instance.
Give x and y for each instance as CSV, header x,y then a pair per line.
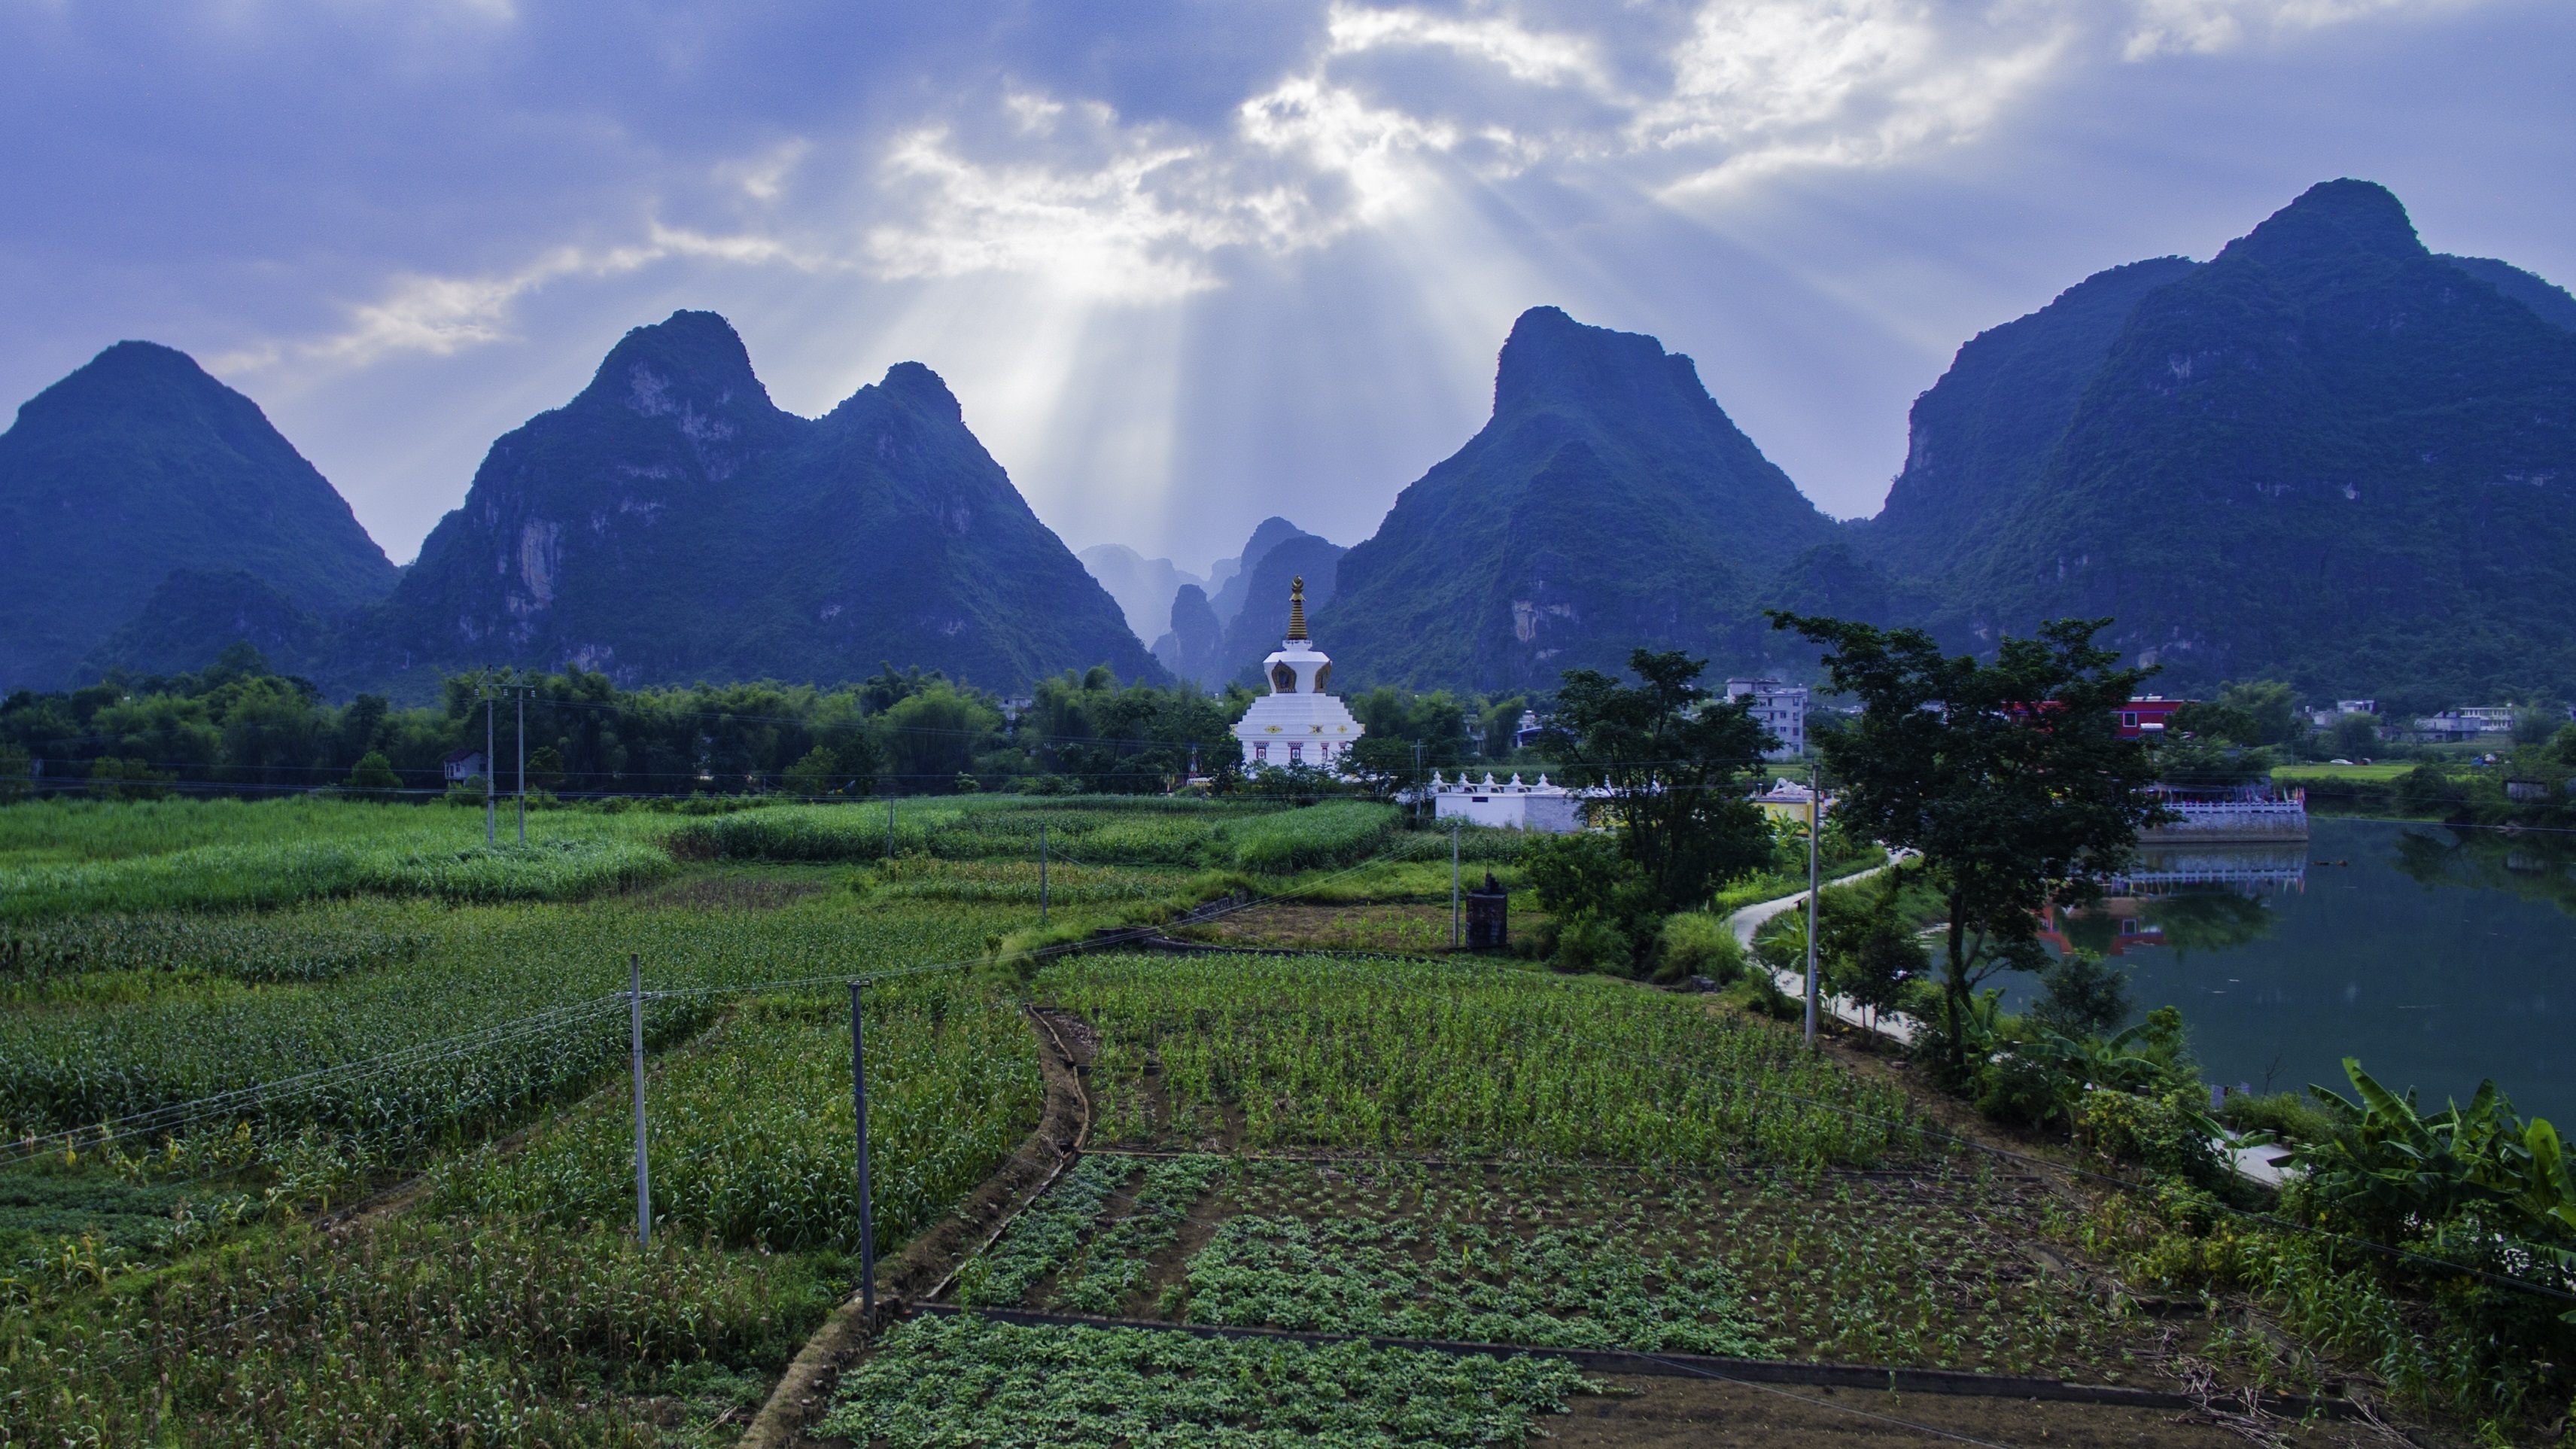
x,y
1587,942
1695,943
2162,1134
373,778
1759,993
1584,871
2289,1116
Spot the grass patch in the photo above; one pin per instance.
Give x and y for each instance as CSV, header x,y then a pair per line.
x,y
2294,774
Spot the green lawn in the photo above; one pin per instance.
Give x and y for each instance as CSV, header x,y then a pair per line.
x,y
2379,773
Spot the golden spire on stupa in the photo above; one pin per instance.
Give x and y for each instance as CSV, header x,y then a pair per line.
x,y
1297,608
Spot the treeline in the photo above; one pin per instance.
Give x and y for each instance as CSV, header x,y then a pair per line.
x,y
238,726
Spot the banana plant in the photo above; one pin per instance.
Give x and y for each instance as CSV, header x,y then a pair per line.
x,y
2388,1160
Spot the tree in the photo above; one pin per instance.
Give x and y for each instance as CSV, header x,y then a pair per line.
x,y
545,768
1868,947
2254,712
111,778
2085,997
1678,767
814,774
2010,778
2356,736
374,778
17,774
930,738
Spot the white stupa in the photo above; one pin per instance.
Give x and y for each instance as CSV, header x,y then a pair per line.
x,y
1297,723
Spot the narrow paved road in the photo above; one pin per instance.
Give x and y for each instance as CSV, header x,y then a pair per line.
x,y
1752,918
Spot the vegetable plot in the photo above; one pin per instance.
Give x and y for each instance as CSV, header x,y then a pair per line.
x,y
751,1127
1468,1059
966,1382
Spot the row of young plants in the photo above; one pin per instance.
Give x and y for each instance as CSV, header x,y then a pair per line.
x,y
1956,1266
966,1382
1087,1264
750,1126
495,970
1476,1058
420,1329
1016,882
508,1303
300,944
450,863
1179,833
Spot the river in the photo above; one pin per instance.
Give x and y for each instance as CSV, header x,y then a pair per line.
x,y
2437,957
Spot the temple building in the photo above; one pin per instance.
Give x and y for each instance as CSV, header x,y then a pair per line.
x,y
1297,723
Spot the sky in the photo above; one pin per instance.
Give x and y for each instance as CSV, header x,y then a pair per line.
x,y
1188,265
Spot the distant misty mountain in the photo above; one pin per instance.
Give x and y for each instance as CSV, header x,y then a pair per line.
x,y
139,464
1142,586
1215,641
671,524
1230,582
1609,503
2326,455
1260,623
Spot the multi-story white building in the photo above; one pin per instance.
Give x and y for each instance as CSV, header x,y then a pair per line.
x,y
1297,723
2466,723
1781,709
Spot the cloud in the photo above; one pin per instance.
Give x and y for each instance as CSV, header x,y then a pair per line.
x,y
1766,85
1746,88
1537,57
2203,27
1356,133
442,315
1134,222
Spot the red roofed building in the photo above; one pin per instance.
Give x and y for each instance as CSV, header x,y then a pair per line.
x,y
2146,715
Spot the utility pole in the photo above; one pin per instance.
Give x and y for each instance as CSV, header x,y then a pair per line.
x,y
889,832
643,1172
1453,884
1417,785
867,1218
1815,812
1042,865
491,777
523,765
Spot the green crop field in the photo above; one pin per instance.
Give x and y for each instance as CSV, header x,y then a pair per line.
x,y
228,1025
316,1128
1478,1059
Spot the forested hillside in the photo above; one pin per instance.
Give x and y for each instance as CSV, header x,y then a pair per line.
x,y
672,524
135,465
1609,503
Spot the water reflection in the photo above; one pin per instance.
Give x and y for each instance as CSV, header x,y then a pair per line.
x,y
2185,899
2531,864
2438,957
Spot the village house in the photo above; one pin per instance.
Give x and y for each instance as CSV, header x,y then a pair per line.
x,y
1781,709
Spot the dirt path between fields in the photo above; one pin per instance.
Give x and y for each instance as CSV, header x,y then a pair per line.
x,y
927,1263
